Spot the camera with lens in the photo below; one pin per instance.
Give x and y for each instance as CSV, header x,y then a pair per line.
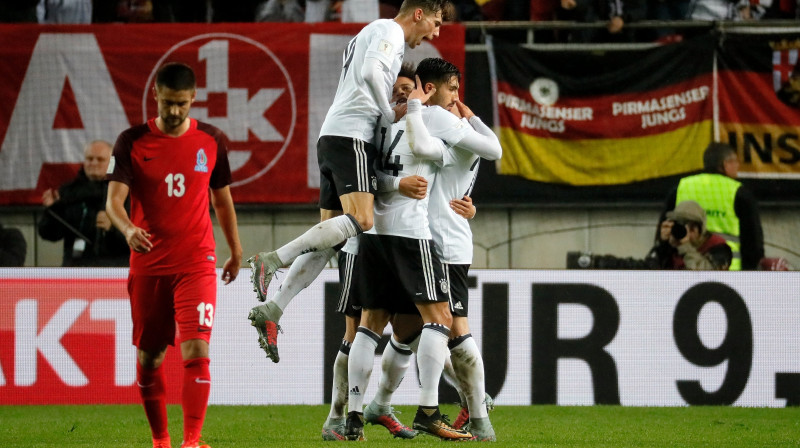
x,y
678,230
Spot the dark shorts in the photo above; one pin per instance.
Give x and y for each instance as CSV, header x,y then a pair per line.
x,y
345,305
393,273
160,302
345,166
456,275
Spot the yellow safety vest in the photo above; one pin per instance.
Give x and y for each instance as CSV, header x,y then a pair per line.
x,y
716,194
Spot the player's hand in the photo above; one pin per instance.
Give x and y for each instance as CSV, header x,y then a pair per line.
x,y
419,94
399,111
568,4
49,197
414,187
230,270
138,239
463,207
463,110
103,221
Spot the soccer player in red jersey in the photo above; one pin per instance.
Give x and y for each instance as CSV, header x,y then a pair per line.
x,y
169,165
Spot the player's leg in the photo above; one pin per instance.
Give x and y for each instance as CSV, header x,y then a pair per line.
x,y
359,367
153,330
424,284
195,296
394,363
303,271
466,357
373,282
334,427
468,365
347,176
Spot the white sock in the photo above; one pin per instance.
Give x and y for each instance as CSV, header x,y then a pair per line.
x,y
326,234
301,273
339,390
450,376
430,359
468,363
359,367
394,363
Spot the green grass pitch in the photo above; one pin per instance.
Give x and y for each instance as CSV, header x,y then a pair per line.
x,y
516,426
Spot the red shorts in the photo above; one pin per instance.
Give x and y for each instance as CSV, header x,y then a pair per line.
x,y
158,302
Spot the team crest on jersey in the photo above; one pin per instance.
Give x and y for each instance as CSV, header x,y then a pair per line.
x,y
202,161
374,182
444,286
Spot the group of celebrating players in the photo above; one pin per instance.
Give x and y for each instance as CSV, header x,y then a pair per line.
x,y
394,202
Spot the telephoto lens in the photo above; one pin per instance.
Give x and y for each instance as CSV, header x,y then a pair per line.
x,y
678,231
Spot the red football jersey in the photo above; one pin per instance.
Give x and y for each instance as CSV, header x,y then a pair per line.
x,y
169,179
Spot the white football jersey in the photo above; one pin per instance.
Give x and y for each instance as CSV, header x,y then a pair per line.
x,y
451,232
354,111
396,214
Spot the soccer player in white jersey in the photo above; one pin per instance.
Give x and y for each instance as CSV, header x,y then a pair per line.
x,y
458,166
345,154
449,204
397,261
396,356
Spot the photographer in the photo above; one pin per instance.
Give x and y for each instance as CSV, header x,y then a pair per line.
x,y
682,242
697,248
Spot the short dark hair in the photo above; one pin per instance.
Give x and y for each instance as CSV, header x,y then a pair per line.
x,y
429,6
715,155
436,70
176,76
407,70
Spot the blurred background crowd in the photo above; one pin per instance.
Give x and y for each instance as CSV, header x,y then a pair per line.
x,y
617,13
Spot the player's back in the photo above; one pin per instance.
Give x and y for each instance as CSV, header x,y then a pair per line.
x,y
354,111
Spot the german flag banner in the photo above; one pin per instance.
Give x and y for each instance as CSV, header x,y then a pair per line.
x,y
759,103
603,119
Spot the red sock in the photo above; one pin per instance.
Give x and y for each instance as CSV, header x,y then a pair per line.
x,y
152,390
194,397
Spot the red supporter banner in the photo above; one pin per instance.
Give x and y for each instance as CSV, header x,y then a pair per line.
x,y
267,86
68,340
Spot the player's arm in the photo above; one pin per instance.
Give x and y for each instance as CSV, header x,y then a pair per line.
x,y
420,141
222,202
138,239
483,142
414,187
372,72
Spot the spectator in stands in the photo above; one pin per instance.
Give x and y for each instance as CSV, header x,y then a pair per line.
x,y
346,11
730,208
280,11
182,11
617,12
12,247
18,11
667,10
713,10
64,11
233,11
76,214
